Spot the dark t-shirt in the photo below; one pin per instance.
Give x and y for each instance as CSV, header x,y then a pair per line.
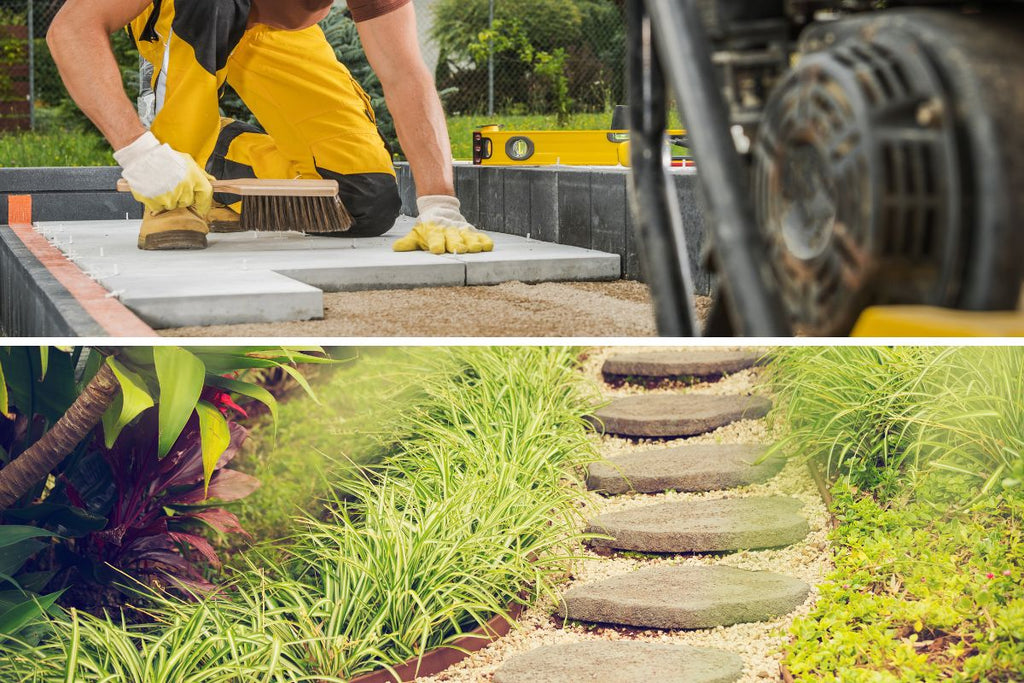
x,y
368,9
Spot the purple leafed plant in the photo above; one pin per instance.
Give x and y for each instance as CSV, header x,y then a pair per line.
x,y
160,506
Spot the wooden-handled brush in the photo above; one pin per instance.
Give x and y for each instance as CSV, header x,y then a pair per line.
x,y
269,205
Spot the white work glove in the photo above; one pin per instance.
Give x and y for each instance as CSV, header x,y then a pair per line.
x,y
442,228
162,178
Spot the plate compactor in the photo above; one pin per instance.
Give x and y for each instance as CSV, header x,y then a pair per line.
x,y
862,163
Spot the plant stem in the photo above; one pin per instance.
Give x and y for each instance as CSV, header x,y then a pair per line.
x,y
32,466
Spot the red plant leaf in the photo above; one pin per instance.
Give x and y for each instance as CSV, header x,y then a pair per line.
x,y
199,543
222,520
226,485
184,464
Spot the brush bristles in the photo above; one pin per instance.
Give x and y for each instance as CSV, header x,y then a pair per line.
x,y
316,215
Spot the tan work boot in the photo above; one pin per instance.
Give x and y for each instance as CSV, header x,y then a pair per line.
x,y
222,218
175,229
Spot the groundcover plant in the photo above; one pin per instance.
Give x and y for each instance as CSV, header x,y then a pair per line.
x,y
471,506
925,451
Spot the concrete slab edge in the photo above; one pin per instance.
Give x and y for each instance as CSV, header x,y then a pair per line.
x,y
32,301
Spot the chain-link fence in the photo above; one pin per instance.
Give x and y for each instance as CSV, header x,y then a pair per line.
x,y
29,83
525,56
548,57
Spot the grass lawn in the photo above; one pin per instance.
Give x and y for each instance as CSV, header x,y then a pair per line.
x,y
54,148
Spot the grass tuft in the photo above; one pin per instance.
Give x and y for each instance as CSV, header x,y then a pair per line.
x,y
945,423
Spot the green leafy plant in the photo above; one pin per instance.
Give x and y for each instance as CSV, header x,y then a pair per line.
x,y
917,594
20,604
118,385
131,508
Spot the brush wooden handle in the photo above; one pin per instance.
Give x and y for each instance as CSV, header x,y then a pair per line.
x,y
267,187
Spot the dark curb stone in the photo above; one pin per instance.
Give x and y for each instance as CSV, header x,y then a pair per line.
x,y
696,467
676,414
679,363
701,526
685,598
617,661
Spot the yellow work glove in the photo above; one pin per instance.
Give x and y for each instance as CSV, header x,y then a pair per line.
x,y
162,178
443,229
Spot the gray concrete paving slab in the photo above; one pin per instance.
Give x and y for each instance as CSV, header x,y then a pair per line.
x,y
273,277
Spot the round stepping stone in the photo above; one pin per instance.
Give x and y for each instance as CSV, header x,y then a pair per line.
x,y
695,467
617,661
702,526
685,597
676,414
678,363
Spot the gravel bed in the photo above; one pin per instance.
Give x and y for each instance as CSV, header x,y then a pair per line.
x,y
758,643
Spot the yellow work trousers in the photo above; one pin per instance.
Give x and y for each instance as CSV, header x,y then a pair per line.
x,y
317,122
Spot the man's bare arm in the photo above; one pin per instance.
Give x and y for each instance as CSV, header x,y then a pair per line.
x,y
393,50
79,40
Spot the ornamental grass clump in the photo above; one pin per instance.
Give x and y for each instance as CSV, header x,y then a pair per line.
x,y
480,503
945,422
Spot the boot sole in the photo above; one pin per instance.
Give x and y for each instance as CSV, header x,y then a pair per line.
x,y
173,239
226,226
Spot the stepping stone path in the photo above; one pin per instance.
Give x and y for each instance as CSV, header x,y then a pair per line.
x,y
621,662
663,415
704,526
668,364
698,467
669,596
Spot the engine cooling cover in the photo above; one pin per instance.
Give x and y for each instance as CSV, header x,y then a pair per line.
x,y
856,180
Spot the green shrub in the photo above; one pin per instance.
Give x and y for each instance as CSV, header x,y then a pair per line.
x,y
351,425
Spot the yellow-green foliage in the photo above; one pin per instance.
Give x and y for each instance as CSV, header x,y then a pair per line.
x,y
917,595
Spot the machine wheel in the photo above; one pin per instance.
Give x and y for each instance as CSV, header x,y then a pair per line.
x,y
888,166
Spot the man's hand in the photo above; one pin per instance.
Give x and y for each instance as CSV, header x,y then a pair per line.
x,y
443,229
162,178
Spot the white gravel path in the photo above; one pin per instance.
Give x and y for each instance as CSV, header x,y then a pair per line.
x,y
758,643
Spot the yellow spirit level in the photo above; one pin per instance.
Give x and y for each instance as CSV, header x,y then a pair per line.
x,y
495,147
